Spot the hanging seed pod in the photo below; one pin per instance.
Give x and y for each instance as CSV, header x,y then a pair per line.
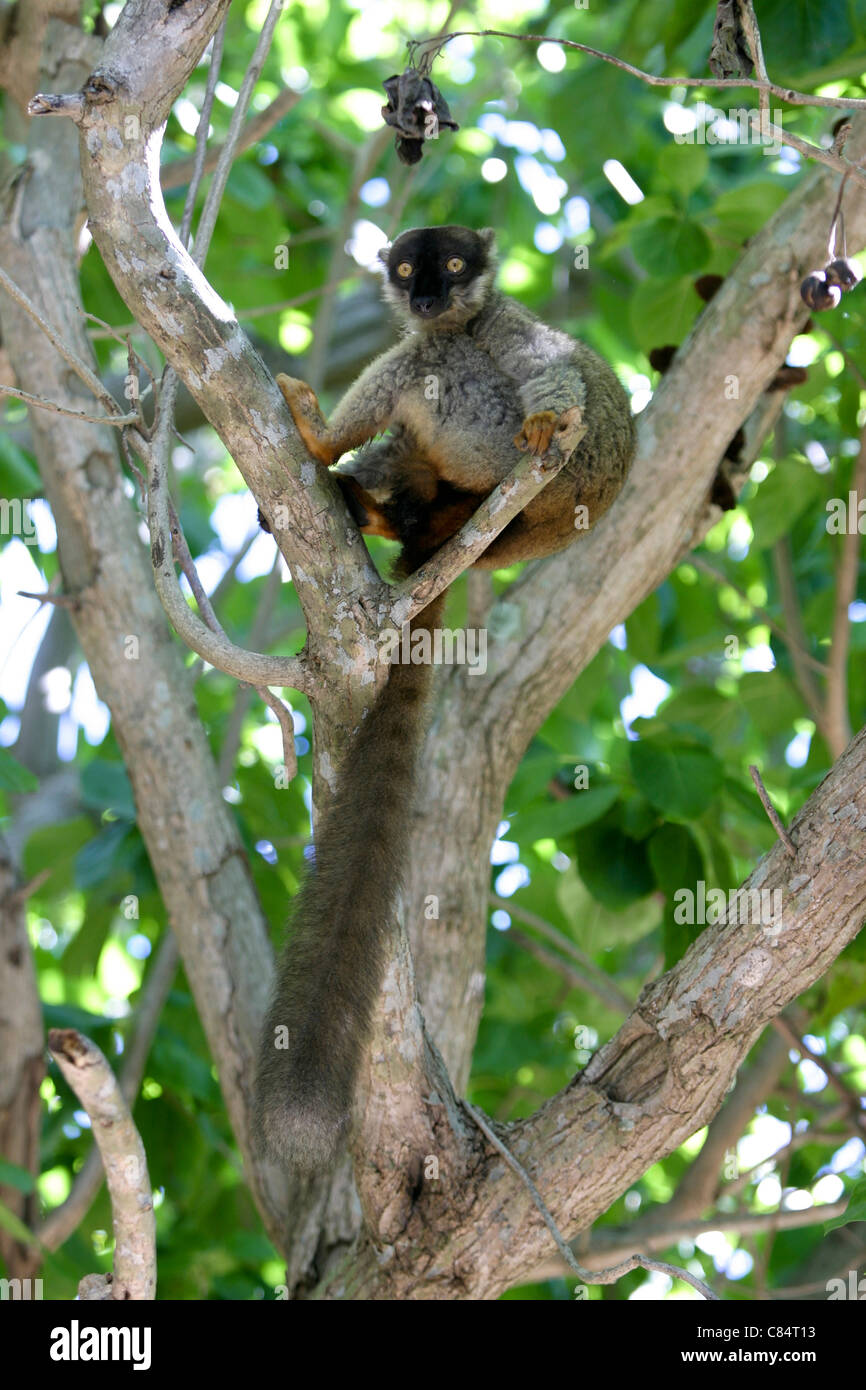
x,y
417,111
818,294
843,273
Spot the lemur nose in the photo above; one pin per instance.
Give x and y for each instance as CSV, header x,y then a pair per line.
x,y
423,305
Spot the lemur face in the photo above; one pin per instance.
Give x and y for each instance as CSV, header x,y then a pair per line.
x,y
439,277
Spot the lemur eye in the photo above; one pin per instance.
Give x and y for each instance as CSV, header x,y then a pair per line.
x,y
455,265
404,270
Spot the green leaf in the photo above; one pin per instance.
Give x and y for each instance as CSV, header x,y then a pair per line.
x,y
684,167
15,1226
783,496
663,311
614,867
703,706
671,246
252,188
798,31
558,818
539,766
71,1016
680,778
18,475
855,1210
675,857
771,701
106,787
14,777
98,859
171,1057
13,1176
740,212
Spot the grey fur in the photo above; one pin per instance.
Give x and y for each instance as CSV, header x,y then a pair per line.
x,y
456,390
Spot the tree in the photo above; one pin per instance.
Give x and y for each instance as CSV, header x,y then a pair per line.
x,y
645,825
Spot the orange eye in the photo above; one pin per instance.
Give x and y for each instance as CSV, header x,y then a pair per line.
x,y
404,270
455,265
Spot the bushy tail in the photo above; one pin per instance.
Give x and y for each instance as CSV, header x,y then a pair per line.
x,y
330,974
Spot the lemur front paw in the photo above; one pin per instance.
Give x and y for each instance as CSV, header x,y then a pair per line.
x,y
307,415
545,431
536,432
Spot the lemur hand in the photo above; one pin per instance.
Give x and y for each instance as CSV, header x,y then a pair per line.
x,y
545,430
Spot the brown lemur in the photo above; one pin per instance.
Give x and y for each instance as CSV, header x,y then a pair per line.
x,y
476,379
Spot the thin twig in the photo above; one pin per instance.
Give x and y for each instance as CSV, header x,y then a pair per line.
x,y
63,1220
366,159
786,94
81,370
783,564
586,1276
59,600
254,667
43,404
764,87
181,171
201,134
207,220
771,811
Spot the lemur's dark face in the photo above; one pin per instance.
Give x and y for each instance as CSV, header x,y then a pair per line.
x,y
439,277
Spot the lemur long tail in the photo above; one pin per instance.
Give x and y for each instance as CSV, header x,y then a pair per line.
x,y
330,975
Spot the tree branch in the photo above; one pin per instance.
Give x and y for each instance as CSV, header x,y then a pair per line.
x,y
87,1072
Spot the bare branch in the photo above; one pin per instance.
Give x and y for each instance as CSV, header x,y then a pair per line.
x,y
838,723
63,1220
256,668
208,218
81,370
759,84
181,171
87,1072
786,94
44,404
598,1276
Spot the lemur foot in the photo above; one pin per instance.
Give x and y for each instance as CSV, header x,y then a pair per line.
x,y
546,432
307,415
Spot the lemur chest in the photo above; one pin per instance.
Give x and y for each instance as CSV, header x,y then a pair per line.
x,y
452,395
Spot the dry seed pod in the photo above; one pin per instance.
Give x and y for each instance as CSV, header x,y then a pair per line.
x,y
843,273
818,294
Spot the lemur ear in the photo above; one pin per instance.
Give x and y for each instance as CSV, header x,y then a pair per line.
x,y
383,253
488,238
